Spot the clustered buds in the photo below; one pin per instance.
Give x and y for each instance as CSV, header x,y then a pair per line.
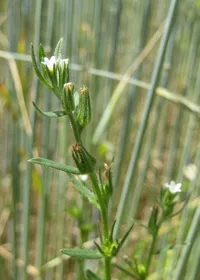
x,y
53,72
84,161
169,197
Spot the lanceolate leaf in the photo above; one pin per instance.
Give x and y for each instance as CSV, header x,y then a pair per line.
x,y
84,191
80,187
127,272
112,230
91,275
123,240
82,253
37,71
41,53
99,248
55,114
58,49
55,165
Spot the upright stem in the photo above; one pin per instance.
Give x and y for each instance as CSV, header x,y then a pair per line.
x,y
103,208
104,214
108,268
75,128
153,243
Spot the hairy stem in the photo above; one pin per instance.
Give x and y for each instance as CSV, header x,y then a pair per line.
x,y
75,128
103,207
104,214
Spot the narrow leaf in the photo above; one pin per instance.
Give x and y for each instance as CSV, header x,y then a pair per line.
x,y
112,230
91,275
82,253
99,248
37,71
80,187
41,53
55,114
55,165
58,49
123,240
127,272
100,234
84,191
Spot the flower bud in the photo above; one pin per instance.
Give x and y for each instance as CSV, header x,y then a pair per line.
x,y
69,97
53,72
84,161
83,114
62,72
169,197
56,72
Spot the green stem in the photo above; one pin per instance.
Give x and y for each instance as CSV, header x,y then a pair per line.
x,y
75,128
151,251
104,214
103,207
153,243
108,268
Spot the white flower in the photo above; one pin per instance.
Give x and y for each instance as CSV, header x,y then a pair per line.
x,y
173,187
50,62
54,60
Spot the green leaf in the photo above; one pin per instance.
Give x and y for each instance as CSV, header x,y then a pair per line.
x,y
41,53
82,253
55,165
55,114
80,187
37,71
100,234
99,249
112,230
123,240
58,49
127,272
91,275
84,191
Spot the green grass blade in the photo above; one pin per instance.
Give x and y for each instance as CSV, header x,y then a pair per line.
x,y
144,122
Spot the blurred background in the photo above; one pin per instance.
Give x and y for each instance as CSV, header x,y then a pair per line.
x,y
40,212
